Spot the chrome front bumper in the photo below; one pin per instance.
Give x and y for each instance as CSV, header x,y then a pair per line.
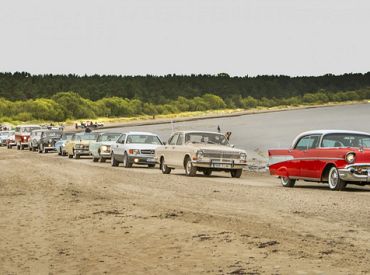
x,y
221,165
106,155
142,159
352,172
82,152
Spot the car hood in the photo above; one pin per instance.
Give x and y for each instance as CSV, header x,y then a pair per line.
x,y
214,147
83,142
106,143
142,146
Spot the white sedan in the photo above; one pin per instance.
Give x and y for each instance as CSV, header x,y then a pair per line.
x,y
135,148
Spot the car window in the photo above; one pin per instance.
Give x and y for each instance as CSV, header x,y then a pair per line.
x,y
346,140
180,140
142,139
206,137
121,139
308,142
173,139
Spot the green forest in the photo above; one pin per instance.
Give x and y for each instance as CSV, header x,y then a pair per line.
x,y
26,97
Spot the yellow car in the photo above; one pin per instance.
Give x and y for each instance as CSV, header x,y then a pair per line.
x,y
79,145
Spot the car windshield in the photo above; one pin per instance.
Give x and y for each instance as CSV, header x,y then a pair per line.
x,y
346,140
109,137
53,134
86,136
143,139
67,136
209,138
29,129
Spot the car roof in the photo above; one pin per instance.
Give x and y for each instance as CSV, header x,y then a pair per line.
x,y
141,133
110,133
326,132
193,131
29,126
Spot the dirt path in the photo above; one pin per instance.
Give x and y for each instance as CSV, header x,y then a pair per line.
x,y
78,217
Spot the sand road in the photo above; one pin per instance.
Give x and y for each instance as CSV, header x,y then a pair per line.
x,y
66,216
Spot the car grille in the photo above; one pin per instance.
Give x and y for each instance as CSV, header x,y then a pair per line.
x,y
147,152
221,154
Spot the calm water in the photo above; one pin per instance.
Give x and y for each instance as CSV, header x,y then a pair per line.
x,y
258,132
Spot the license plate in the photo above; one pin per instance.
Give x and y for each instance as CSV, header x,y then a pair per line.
x,y
221,165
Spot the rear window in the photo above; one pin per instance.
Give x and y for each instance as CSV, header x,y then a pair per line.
x,y
346,140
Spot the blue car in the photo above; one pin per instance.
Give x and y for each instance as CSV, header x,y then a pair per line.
x,y
60,144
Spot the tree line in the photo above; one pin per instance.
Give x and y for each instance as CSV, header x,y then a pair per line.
x,y
71,105
164,89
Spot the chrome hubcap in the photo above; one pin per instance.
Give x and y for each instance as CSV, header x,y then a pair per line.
x,y
284,180
188,167
333,179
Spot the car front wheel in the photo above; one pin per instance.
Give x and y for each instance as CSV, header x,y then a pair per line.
x,y
335,182
190,170
207,172
126,162
76,156
236,173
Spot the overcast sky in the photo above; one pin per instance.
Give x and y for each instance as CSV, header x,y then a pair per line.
x,y
139,37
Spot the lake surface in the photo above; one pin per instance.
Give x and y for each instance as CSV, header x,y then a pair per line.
x,y
258,132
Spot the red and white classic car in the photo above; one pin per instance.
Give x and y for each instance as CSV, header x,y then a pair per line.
x,y
22,135
333,156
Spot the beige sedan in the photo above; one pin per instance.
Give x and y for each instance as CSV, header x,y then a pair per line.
x,y
205,152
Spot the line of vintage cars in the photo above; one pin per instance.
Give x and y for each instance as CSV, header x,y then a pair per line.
x,y
336,157
193,151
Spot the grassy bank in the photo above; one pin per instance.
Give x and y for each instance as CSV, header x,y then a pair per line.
x,y
183,116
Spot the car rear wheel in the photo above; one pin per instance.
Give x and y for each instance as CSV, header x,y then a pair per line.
x,y
102,159
113,161
95,159
335,182
190,170
237,173
164,168
287,182
126,162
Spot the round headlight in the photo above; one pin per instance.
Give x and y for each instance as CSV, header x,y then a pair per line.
x,y
243,156
350,157
200,154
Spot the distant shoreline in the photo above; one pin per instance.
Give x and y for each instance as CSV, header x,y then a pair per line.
x,y
213,115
